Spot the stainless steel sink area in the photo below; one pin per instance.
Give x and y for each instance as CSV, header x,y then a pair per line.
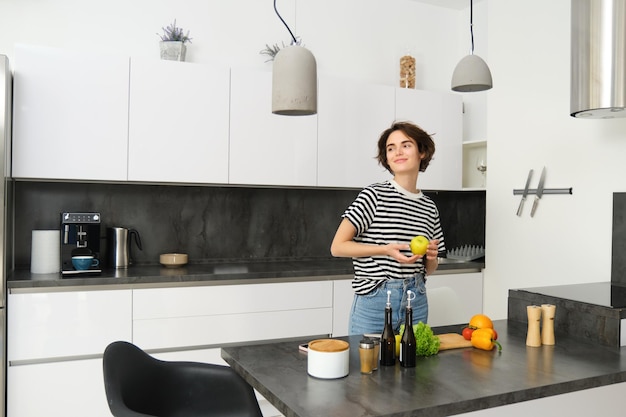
x,y
447,261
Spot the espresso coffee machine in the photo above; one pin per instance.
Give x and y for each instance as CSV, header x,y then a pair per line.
x,y
80,236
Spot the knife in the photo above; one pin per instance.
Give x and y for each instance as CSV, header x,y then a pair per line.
x,y
539,193
521,203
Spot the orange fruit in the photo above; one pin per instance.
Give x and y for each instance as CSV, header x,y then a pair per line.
x,y
480,321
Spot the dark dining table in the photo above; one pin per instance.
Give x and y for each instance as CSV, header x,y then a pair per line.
x,y
452,382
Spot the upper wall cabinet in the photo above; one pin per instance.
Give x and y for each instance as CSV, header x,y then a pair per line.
x,y
267,149
352,115
70,116
178,123
441,115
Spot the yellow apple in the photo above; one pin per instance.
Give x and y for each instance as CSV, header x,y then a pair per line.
x,y
419,244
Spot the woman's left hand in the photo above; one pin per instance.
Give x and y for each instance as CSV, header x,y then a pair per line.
x,y
432,251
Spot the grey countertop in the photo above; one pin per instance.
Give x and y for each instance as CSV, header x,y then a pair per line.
x,y
451,382
219,273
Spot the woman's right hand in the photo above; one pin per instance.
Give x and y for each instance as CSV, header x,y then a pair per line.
x,y
394,250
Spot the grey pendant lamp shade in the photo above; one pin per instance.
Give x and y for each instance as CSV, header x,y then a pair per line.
x,y
294,82
294,79
471,73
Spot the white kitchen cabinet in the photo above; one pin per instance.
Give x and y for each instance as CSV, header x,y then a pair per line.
x,y
48,325
215,315
54,347
474,153
599,401
178,122
70,114
343,295
67,388
352,115
454,298
267,149
441,115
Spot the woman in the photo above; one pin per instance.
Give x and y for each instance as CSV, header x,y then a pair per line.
x,y
378,226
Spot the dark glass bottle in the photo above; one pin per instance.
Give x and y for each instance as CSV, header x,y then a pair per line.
x,y
388,338
407,343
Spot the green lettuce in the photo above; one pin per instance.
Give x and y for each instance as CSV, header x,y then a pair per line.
x,y
427,344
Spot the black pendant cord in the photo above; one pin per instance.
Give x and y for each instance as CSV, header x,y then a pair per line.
x,y
295,42
471,22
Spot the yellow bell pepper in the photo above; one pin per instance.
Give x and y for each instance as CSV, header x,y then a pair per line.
x,y
485,339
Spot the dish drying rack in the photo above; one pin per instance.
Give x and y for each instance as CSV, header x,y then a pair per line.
x,y
467,252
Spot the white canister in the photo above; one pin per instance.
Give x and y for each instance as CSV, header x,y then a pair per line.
x,y
328,358
45,254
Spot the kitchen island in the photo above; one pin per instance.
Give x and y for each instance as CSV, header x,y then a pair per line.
x,y
452,382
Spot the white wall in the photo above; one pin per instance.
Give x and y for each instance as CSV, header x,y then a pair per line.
x,y
359,38
569,239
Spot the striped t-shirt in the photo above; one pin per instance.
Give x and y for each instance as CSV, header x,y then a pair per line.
x,y
386,213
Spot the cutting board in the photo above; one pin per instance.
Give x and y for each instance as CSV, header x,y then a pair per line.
x,y
452,341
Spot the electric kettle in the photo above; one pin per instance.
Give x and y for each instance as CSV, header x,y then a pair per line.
x,y
119,242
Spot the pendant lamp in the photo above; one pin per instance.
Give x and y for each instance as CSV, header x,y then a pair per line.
x,y
471,73
294,79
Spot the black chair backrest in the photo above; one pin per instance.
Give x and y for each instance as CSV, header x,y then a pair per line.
x,y
138,385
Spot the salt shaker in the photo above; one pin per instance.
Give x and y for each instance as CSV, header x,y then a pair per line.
x,y
548,312
376,357
533,337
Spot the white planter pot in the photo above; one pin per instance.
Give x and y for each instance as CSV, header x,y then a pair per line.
x,y
173,50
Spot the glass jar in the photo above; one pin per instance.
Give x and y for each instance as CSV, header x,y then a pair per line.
x,y
407,71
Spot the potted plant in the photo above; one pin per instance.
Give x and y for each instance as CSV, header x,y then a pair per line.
x,y
271,51
173,42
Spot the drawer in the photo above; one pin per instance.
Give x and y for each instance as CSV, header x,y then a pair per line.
x,y
58,324
230,328
230,299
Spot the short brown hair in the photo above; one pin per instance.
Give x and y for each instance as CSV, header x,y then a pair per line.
x,y
424,142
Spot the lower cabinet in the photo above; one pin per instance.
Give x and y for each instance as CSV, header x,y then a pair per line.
x,y
600,401
454,298
73,388
56,339
343,295
68,324
169,318
54,350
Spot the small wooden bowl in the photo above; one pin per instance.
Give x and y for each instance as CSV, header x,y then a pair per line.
x,y
173,260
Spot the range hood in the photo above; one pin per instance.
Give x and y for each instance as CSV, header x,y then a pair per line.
x,y
598,59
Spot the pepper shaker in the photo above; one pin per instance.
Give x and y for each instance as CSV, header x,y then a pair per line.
x,y
366,355
533,337
547,323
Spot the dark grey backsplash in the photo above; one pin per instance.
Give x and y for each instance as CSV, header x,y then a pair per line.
x,y
220,223
618,259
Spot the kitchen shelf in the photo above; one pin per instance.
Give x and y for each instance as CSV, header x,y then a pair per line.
x,y
472,151
475,144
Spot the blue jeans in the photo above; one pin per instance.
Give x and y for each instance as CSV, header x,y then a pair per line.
x,y
368,311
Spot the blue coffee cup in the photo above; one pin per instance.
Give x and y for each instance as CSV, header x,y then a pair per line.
x,y
82,263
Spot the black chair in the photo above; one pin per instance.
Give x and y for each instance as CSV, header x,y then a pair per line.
x,y
137,384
